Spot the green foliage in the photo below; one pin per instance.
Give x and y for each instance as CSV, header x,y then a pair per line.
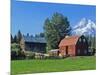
x,y
12,40
49,65
19,36
39,35
91,41
56,29
15,39
15,47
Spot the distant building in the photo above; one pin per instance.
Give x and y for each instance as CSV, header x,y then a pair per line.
x,y
74,46
34,44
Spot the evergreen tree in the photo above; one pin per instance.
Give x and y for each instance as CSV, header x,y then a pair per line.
x,y
55,29
40,35
28,34
15,39
12,40
19,36
91,41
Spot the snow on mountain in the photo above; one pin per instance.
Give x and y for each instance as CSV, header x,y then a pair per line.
x,y
84,27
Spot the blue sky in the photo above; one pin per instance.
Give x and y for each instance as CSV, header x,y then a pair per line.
x,y
29,17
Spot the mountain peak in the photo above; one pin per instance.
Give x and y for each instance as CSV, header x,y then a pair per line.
x,y
81,23
84,27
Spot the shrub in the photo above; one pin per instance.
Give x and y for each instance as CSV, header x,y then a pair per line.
x,y
13,55
21,55
15,47
92,51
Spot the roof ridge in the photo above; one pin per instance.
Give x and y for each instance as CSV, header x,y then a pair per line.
x,y
69,41
34,39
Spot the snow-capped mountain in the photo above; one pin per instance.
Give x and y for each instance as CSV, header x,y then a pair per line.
x,y
84,27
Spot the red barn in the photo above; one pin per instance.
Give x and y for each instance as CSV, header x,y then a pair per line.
x,y
73,46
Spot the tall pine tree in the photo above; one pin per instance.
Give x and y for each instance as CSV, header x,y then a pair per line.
x,y
12,40
19,36
56,29
15,39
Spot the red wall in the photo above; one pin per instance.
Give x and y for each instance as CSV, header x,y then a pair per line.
x,y
70,50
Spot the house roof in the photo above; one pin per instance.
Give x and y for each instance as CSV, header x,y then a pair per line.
x,y
34,39
71,40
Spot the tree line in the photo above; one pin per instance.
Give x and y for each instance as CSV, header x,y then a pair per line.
x,y
17,37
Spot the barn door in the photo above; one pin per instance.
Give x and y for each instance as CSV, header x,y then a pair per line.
x,y
66,50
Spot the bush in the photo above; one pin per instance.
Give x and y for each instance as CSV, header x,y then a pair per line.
x,y
16,52
92,51
14,55
21,55
15,47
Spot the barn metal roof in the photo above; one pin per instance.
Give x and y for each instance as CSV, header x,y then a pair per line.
x,y
34,39
71,40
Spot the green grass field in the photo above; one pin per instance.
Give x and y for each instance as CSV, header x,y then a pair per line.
x,y
53,65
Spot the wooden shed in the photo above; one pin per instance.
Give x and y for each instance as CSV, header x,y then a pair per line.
x,y
53,52
74,46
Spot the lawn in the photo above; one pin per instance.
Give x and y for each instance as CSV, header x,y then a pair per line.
x,y
53,65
